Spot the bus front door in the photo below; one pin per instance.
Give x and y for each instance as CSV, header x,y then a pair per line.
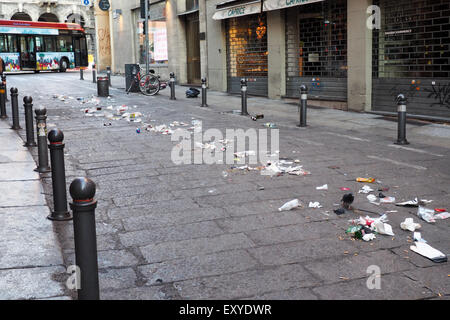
x,y
27,52
80,52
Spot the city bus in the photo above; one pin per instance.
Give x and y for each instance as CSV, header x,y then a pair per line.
x,y
42,46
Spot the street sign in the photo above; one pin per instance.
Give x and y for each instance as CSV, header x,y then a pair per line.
x,y
104,5
86,2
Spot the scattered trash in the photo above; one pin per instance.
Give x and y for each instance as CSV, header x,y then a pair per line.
x,y
290,205
442,215
368,237
324,187
387,200
138,130
381,196
428,251
258,116
418,237
345,189
367,180
383,228
270,125
339,211
373,199
413,203
409,224
192,93
426,214
365,189
315,205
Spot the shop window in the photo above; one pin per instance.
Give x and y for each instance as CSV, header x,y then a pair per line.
x,y
413,41
157,38
247,46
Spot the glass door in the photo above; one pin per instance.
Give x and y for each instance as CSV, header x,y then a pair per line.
x,y
27,52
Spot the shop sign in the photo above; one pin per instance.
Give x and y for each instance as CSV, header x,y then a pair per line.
x,y
280,4
237,11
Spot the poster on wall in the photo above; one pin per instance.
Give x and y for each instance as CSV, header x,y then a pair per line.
x,y
160,42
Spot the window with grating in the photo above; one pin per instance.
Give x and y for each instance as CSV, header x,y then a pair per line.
x,y
414,39
317,40
247,46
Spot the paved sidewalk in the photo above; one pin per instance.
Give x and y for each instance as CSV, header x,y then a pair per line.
x,y
30,256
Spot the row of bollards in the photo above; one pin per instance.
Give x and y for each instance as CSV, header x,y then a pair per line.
x,y
82,191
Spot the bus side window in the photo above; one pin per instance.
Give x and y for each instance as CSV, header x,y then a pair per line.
x,y
49,44
3,44
39,44
64,43
12,43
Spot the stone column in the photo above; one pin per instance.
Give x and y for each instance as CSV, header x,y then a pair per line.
x,y
359,43
276,45
103,38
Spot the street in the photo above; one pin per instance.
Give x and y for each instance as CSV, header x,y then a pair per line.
x,y
210,231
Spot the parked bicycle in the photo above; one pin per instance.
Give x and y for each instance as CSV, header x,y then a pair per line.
x,y
149,84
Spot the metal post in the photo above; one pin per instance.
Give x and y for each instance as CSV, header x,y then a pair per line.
x,y
244,97
303,105
3,95
204,104
401,109
108,74
82,191
94,74
41,127
56,147
147,48
81,74
29,123
15,109
172,86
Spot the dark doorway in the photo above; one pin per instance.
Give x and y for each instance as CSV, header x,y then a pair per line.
x,y
193,48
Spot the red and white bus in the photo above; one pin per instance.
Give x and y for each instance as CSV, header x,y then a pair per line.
x,y
42,46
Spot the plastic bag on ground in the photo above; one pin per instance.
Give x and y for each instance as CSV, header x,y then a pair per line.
x,y
368,237
365,189
315,205
383,228
426,214
410,225
290,205
387,200
324,187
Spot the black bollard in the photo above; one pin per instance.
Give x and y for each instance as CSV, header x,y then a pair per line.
x,y
29,123
56,147
15,109
41,128
81,74
172,86
204,92
303,105
401,109
94,74
108,74
82,191
3,95
244,97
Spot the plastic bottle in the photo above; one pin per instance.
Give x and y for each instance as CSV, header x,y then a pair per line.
x,y
289,205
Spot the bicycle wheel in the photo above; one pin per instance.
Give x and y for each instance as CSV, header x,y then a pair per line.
x,y
149,84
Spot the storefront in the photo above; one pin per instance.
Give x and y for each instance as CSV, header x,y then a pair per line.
x,y
411,55
157,36
316,48
246,45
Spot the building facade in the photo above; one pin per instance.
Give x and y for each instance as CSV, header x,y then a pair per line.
x,y
352,54
53,11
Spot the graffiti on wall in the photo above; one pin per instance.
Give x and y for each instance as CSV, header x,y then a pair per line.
x,y
104,40
440,93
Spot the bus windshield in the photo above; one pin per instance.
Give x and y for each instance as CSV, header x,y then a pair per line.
x,y
42,46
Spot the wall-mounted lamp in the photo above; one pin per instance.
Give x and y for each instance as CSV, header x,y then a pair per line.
x,y
117,13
